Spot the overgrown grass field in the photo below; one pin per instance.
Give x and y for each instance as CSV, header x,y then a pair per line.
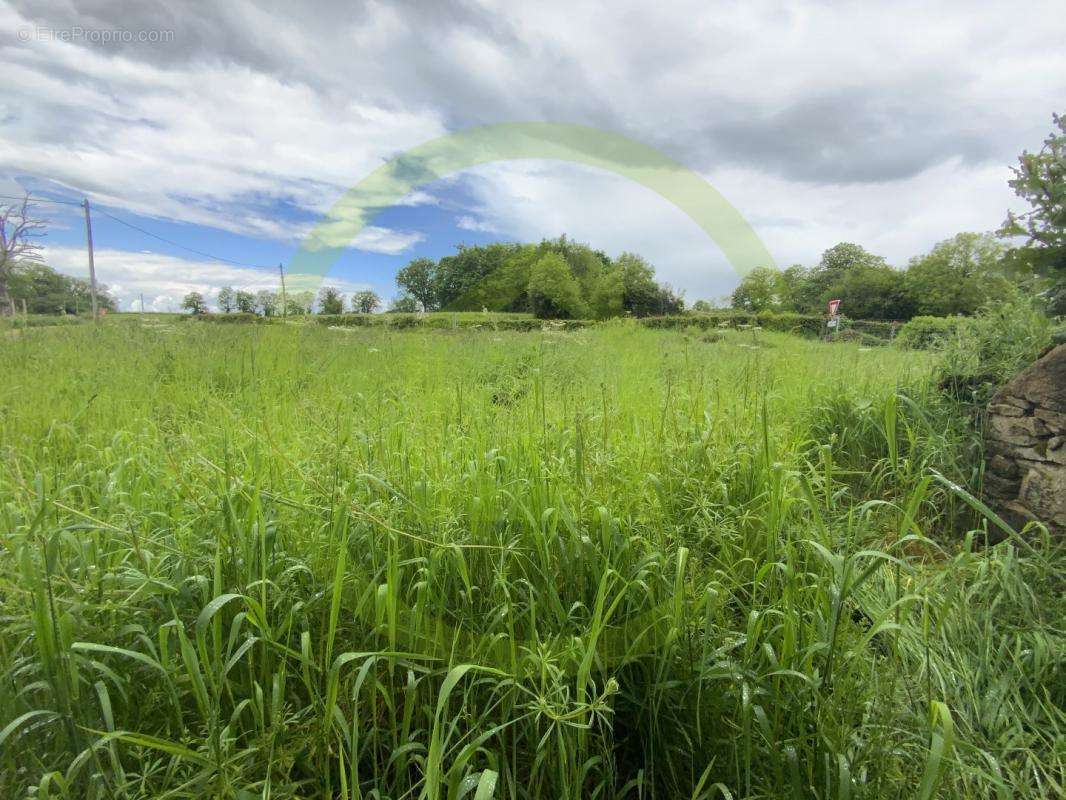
x,y
290,561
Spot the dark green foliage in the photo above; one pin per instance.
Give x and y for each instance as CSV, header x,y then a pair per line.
x,y
554,291
990,348
760,290
497,277
330,300
46,291
419,280
194,303
365,302
927,333
956,277
239,318
1040,180
244,301
227,299
443,321
403,304
458,279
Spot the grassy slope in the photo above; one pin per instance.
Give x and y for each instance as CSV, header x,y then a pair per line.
x,y
312,561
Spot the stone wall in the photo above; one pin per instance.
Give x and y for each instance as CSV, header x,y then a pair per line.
x,y
1025,476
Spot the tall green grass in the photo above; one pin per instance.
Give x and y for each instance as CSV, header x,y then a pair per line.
x,y
288,562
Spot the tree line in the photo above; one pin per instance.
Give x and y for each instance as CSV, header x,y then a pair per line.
x,y
268,303
958,276
557,278
42,290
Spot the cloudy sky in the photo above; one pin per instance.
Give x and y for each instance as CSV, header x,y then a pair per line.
x,y
230,128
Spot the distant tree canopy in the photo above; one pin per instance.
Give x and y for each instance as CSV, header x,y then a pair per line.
x,y
365,302
194,303
558,278
46,291
958,276
330,300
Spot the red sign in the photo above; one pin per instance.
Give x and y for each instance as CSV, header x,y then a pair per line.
x,y
834,307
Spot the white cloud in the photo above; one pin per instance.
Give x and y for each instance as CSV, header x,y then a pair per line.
x,y
469,223
897,219
891,125
212,143
164,280
384,240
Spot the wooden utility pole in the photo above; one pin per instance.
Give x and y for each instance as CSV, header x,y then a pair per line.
x,y
284,302
92,265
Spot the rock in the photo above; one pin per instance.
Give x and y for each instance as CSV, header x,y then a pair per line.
x,y
1042,384
1043,490
1056,450
1018,430
1025,476
1004,410
1053,419
1003,467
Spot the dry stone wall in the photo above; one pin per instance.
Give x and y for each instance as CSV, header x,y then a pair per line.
x,y
1025,475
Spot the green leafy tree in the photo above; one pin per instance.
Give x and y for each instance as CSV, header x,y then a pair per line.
x,y
702,307
365,302
1040,180
798,292
45,291
267,302
330,300
245,301
458,279
554,293
419,278
608,295
194,303
873,291
958,276
404,304
826,280
227,300
759,290
299,303
641,296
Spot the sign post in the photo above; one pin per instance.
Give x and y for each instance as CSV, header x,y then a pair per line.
x,y
833,323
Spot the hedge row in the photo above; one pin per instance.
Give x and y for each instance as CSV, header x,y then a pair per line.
x,y
919,333
927,333
783,322
235,318
447,322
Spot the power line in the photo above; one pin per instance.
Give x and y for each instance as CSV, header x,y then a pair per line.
x,y
32,199
142,230
178,244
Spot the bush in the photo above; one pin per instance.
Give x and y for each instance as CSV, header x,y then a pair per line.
x,y
989,349
40,321
928,333
238,318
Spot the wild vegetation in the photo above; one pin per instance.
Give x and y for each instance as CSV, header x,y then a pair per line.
x,y
556,279
300,561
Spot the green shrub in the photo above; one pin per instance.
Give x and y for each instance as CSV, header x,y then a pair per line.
x,y
928,333
989,349
40,321
237,318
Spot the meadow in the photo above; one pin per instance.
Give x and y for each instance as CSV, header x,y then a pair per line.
x,y
294,561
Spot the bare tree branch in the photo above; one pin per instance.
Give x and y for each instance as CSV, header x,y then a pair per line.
x,y
19,232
